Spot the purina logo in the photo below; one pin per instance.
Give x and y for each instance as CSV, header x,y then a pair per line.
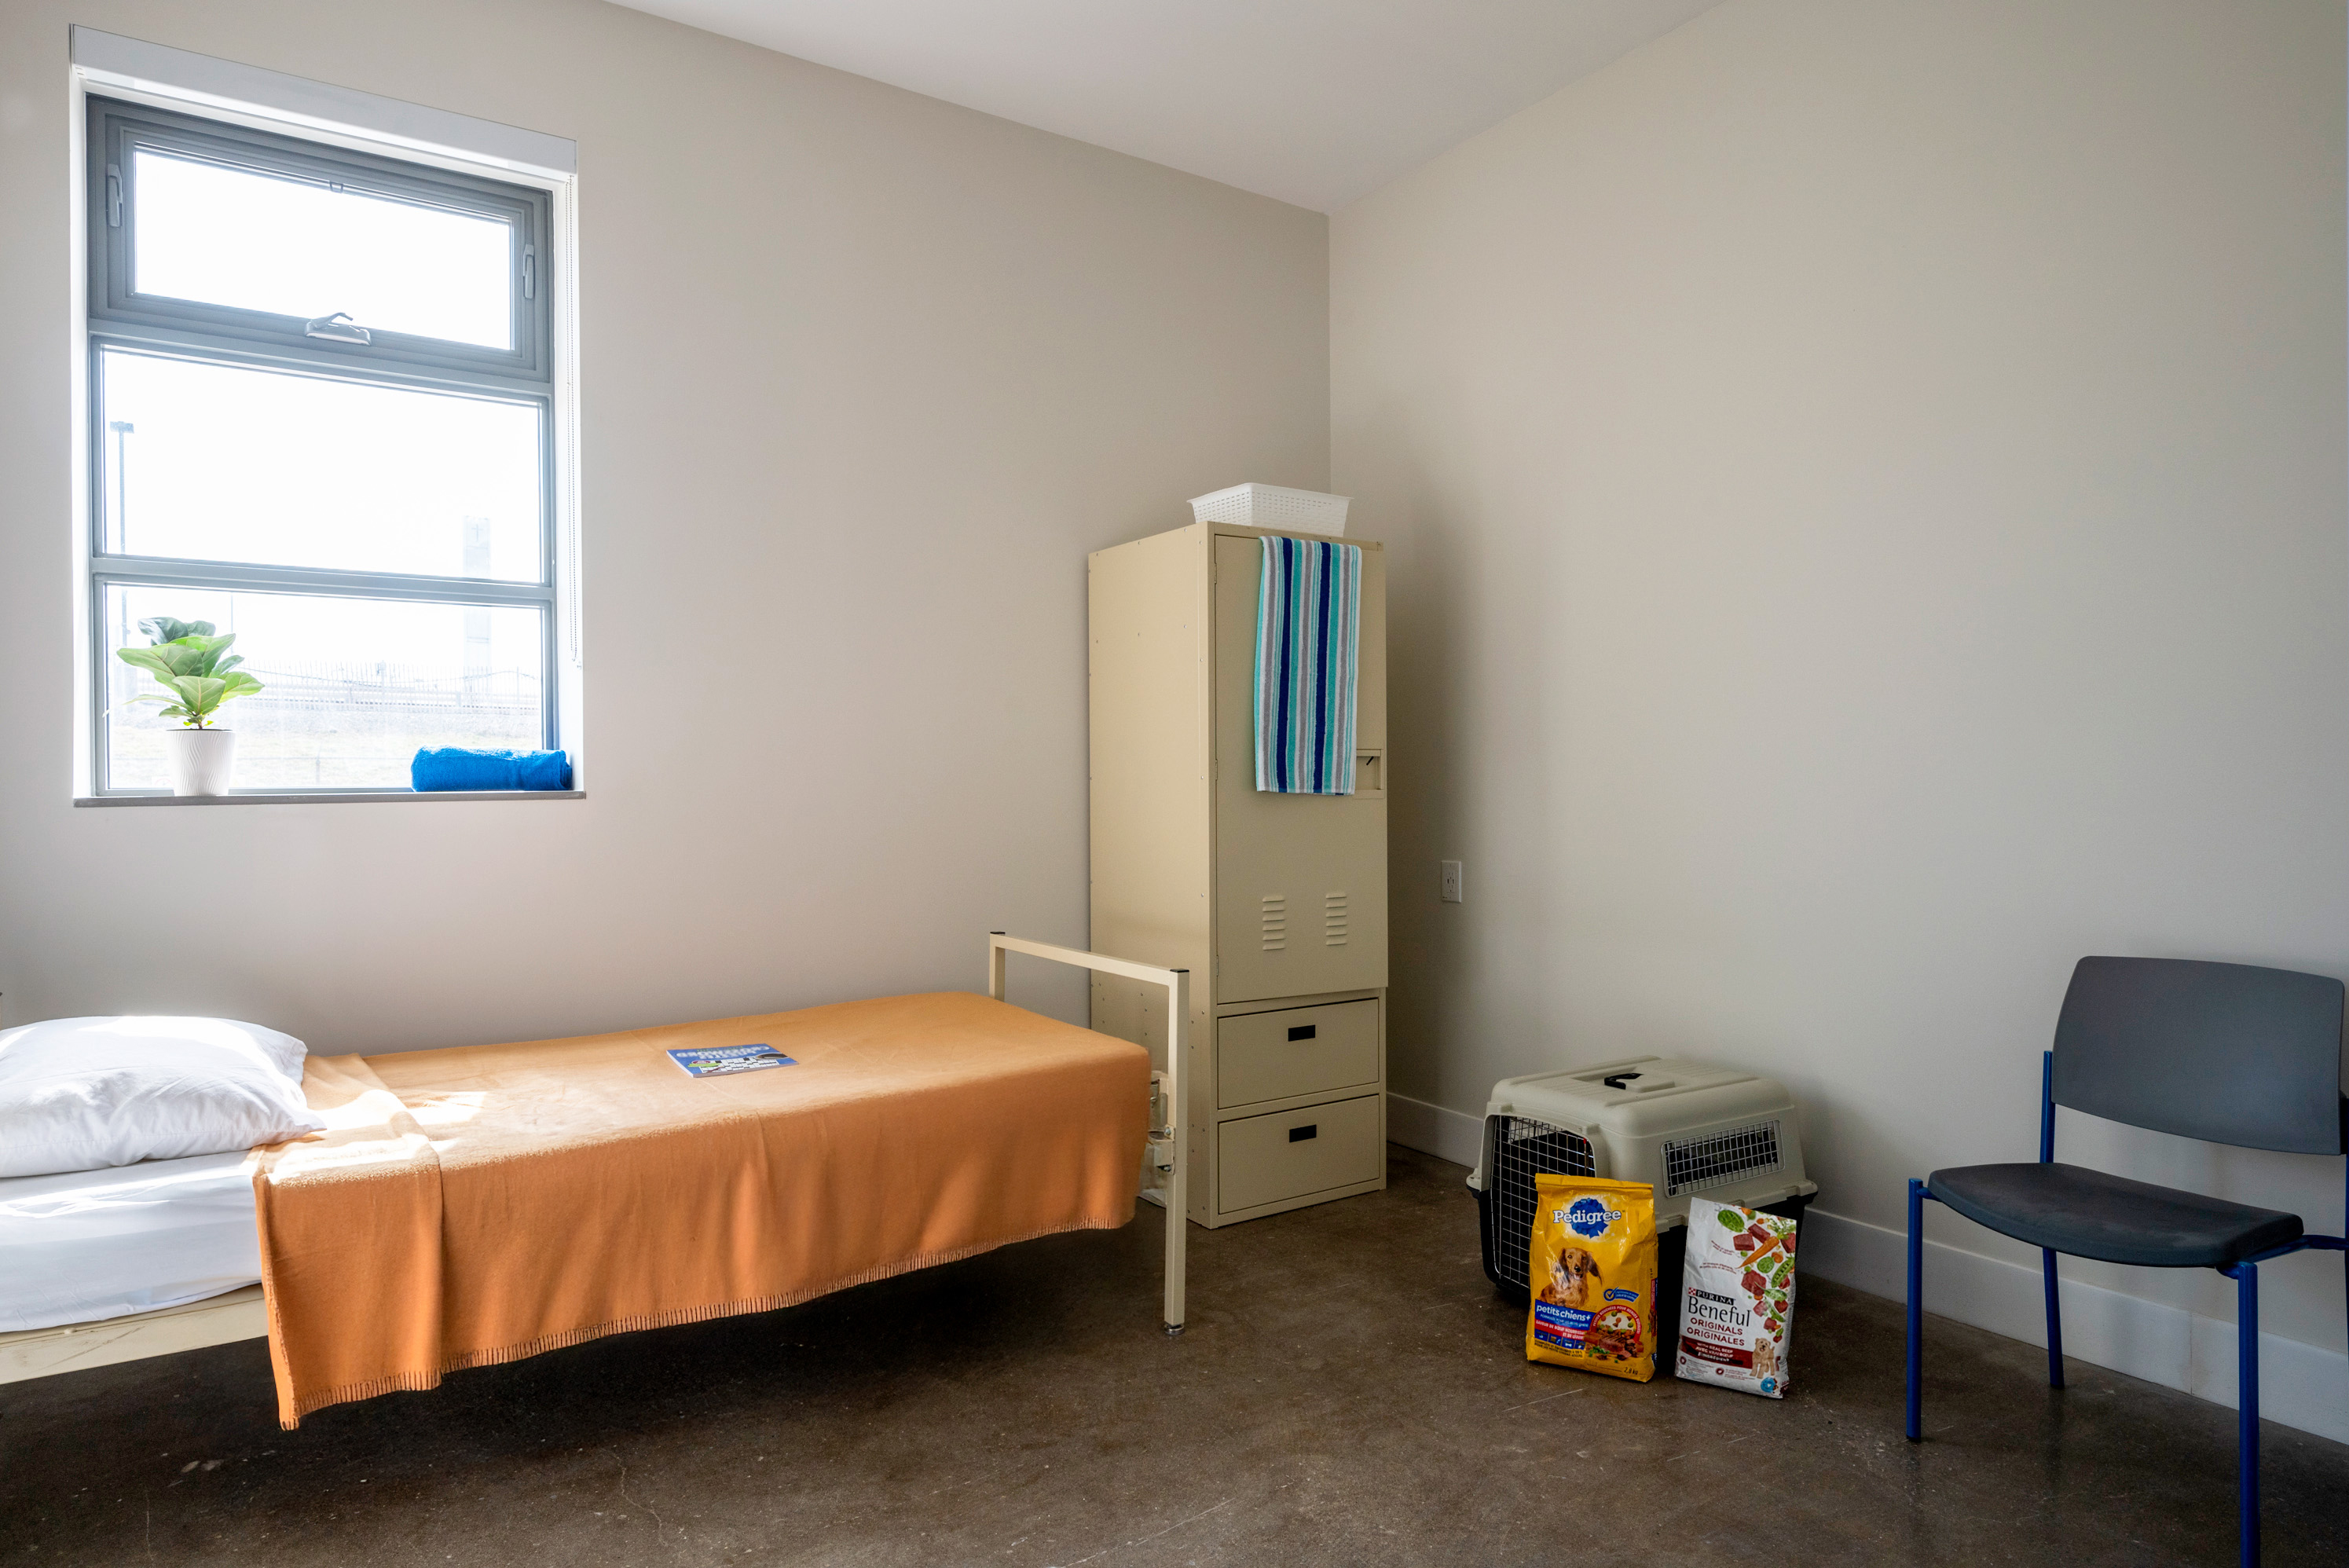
x,y
1589,1217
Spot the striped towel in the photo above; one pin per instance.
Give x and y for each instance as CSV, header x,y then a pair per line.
x,y
1309,613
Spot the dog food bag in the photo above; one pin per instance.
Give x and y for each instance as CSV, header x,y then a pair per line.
x,y
1737,1299
1593,1267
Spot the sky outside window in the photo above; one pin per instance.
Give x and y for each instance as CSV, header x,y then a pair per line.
x,y
238,237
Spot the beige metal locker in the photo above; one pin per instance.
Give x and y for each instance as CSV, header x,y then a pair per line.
x,y
1276,903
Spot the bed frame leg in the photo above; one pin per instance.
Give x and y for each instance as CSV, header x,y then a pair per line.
x,y
1177,983
1178,1208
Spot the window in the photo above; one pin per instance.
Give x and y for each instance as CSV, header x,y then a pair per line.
x,y
322,418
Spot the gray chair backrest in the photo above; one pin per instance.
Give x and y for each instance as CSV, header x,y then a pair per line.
x,y
2223,1052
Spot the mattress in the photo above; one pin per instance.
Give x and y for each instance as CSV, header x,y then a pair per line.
x,y
93,1244
472,1206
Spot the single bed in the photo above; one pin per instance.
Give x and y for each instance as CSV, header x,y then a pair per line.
x,y
472,1206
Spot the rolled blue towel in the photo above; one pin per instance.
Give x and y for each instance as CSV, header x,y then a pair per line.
x,y
462,768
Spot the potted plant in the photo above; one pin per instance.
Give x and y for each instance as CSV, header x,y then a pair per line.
x,y
197,674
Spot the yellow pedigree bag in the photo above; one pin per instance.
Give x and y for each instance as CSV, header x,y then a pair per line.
x,y
1593,1267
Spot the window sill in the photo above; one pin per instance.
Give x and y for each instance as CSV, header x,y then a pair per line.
x,y
325,796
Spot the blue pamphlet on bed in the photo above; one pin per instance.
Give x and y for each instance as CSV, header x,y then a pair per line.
x,y
723,1059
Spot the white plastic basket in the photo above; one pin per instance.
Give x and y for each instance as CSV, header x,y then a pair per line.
x,y
1271,506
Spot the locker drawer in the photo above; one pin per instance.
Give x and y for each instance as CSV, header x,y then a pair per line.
x,y
1297,1050
1264,1158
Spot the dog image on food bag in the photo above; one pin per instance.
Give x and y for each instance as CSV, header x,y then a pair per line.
x,y
1737,1301
1594,1256
1572,1274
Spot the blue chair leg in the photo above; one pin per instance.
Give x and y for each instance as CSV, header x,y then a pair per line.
x,y
2055,1321
2247,1403
1915,1308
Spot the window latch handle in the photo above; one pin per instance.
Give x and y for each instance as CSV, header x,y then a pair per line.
x,y
114,195
530,272
339,327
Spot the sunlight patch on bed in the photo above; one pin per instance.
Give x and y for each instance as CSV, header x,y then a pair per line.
x,y
448,1109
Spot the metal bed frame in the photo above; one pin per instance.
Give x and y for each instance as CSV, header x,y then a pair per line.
x,y
244,1314
1165,1145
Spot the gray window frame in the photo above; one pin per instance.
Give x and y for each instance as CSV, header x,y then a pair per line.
x,y
122,319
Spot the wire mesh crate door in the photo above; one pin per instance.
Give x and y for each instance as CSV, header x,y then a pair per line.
x,y
1523,1149
1720,1156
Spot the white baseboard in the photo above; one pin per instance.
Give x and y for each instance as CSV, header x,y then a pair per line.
x,y
2300,1385
1434,1130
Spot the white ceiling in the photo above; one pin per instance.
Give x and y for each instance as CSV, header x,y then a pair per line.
x,y
1310,102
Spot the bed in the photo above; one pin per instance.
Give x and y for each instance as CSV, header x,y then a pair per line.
x,y
472,1206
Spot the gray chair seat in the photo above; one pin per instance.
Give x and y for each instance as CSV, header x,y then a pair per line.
x,y
2093,1215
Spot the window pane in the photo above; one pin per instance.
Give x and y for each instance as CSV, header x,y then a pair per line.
x,y
239,237
222,462
352,687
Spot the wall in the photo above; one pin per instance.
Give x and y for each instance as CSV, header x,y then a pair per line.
x,y
864,377
1864,487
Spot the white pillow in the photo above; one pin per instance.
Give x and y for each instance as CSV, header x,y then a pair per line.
x,y
83,1094
284,1052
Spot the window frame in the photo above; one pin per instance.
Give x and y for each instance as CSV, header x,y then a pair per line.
x,y
118,318
116,125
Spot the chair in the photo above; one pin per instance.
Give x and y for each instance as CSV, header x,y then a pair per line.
x,y
2223,1052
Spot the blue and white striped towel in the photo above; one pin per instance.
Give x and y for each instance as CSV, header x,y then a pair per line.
x,y
1308,611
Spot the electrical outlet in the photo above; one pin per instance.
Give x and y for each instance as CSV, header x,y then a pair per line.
x,y
1451,882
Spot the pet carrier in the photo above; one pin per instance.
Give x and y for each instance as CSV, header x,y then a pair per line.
x,y
1686,1128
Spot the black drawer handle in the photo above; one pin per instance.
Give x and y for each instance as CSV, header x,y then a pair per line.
x,y
1303,1031
1299,1134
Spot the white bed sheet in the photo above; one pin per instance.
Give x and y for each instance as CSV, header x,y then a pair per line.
x,y
94,1245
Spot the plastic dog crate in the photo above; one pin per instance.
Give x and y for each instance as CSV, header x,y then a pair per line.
x,y
1687,1129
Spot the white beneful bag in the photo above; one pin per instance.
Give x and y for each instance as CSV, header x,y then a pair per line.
x,y
1737,1299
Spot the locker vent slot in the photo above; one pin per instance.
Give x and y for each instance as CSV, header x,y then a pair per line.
x,y
1275,923
1333,920
1717,1156
1523,1149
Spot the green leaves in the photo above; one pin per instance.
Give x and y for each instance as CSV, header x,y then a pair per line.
x,y
165,661
198,694
190,656
164,629
194,666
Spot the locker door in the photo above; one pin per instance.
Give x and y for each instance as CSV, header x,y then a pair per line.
x,y
1301,880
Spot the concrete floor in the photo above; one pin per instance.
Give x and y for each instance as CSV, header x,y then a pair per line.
x,y
1350,1392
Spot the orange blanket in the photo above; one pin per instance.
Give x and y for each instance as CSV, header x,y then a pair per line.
x,y
477,1205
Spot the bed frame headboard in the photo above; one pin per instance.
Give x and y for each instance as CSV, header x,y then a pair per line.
x,y
1166,1152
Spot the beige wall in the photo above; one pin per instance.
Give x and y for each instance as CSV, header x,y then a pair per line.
x,y
865,375
1864,487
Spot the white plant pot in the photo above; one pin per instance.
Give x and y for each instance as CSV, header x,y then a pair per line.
x,y
201,759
